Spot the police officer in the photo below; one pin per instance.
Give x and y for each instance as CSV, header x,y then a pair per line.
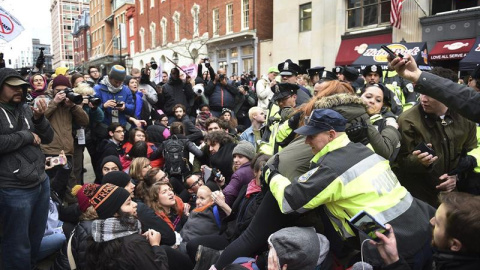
x,y
346,178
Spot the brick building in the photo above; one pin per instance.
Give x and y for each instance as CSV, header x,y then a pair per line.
x,y
185,31
63,14
81,41
107,18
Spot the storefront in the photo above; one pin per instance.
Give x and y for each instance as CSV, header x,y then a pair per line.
x,y
352,48
472,59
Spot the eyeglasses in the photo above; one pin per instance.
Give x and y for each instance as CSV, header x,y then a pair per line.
x,y
195,183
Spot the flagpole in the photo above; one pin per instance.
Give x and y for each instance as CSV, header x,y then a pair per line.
x,y
418,4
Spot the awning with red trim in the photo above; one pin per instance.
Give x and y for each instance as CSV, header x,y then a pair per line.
x,y
351,49
451,49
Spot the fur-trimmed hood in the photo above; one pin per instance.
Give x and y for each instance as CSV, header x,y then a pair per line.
x,y
349,106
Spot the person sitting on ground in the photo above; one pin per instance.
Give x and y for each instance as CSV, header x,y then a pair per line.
x,y
139,135
192,183
116,241
243,154
121,179
78,238
204,219
159,130
227,116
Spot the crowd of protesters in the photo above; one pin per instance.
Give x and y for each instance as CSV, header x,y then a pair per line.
x,y
240,172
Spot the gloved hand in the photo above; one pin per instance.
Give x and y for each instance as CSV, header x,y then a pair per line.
x,y
466,163
357,132
269,171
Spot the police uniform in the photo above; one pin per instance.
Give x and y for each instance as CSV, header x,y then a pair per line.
x,y
281,90
346,178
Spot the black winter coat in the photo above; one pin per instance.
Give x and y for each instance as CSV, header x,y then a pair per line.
x,y
79,247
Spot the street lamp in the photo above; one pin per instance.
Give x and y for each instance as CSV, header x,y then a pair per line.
x,y
128,63
175,58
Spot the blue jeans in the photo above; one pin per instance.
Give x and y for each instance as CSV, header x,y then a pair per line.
x,y
23,215
51,244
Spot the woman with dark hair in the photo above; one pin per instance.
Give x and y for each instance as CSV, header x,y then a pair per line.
x,y
116,241
139,135
159,130
227,116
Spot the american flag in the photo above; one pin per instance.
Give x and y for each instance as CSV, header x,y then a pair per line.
x,y
395,13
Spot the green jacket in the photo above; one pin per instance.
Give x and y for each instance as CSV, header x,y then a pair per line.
x,y
447,137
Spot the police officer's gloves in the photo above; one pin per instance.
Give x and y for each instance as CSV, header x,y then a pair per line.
x,y
466,164
269,171
357,132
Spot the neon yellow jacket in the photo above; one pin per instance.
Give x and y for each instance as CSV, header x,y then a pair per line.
x,y
346,177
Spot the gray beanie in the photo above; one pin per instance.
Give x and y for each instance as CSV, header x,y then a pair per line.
x,y
118,73
245,149
299,247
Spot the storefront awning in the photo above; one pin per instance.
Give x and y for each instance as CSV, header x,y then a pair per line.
x,y
374,55
351,49
451,49
473,57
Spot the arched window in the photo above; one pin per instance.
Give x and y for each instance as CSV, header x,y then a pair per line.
x,y
176,21
152,34
142,39
163,25
195,13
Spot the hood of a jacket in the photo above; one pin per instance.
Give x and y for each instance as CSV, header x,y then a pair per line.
x,y
349,106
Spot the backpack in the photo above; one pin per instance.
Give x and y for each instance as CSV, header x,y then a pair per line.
x,y
175,164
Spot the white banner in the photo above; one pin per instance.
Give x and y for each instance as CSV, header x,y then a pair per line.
x,y
10,27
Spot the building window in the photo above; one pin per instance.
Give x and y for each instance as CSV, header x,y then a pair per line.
x,y
163,25
361,13
306,17
247,50
152,34
222,54
233,53
216,21
195,13
247,65
130,27
142,39
229,18
245,13
140,2
152,3
176,21
132,48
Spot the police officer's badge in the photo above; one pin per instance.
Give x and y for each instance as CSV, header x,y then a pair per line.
x,y
373,68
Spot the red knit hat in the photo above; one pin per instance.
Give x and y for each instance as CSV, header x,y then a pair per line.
x,y
84,194
61,80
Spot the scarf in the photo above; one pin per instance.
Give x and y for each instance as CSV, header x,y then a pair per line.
x,y
252,188
202,120
203,208
105,81
104,230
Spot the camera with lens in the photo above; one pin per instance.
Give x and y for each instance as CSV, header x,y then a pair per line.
x,y
206,61
94,100
216,173
198,89
72,96
221,77
153,64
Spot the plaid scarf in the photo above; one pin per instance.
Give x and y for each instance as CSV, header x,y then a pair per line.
x,y
104,230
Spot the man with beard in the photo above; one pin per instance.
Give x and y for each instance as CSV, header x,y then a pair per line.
x,y
176,92
24,185
117,100
455,236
